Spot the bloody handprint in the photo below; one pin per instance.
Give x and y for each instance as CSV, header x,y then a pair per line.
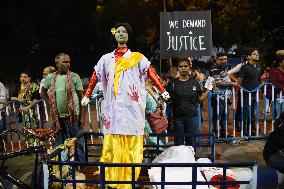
x,y
106,123
134,93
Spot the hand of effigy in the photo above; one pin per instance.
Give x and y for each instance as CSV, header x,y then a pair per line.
x,y
165,95
85,101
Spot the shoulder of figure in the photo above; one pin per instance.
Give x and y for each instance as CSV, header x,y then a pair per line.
x,y
73,74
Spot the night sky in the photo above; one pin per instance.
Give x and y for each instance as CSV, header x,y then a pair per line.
x,y
33,32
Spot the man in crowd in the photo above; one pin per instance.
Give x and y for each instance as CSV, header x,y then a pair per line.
x,y
65,91
249,79
223,82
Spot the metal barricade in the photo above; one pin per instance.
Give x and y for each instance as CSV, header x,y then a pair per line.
x,y
249,109
14,139
72,181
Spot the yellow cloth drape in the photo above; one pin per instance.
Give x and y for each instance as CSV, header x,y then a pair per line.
x,y
123,64
122,149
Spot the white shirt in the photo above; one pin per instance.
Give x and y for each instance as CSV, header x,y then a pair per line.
x,y
123,114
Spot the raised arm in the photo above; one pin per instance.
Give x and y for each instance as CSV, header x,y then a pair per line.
x,y
156,82
91,86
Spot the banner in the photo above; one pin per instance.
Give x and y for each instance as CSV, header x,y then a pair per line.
x,y
185,33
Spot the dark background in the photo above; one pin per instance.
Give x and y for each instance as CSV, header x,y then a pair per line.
x,y
34,31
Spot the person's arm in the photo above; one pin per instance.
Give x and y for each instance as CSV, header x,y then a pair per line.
x,y
233,78
155,79
33,101
226,84
86,99
31,104
235,69
204,95
156,82
92,84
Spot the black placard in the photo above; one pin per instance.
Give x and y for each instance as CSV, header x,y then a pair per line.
x,y
185,33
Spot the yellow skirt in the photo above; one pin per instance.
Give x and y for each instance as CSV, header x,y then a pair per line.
x,y
122,149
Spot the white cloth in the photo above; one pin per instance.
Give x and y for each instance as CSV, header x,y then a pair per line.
x,y
121,114
176,154
41,84
3,95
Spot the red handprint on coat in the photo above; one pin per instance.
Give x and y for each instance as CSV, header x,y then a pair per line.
x,y
134,93
106,123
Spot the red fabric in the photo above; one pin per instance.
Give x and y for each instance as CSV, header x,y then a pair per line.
x,y
119,52
91,85
219,178
155,79
276,77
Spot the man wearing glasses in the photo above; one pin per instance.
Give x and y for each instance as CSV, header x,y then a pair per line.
x,y
223,82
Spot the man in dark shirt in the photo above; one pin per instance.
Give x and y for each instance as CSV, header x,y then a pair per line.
x,y
249,78
185,92
223,82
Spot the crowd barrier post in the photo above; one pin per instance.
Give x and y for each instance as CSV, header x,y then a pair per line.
x,y
38,116
199,122
209,112
264,105
273,108
234,111
242,112
250,113
254,177
90,123
257,112
280,102
226,112
218,116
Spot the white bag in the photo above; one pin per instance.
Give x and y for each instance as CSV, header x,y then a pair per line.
x,y
176,154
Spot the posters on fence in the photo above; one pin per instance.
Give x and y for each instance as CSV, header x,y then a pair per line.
x,y
185,33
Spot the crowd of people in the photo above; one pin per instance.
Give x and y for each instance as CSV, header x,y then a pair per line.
x,y
132,89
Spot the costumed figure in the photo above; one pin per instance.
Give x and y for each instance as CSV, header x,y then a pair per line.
x,y
123,74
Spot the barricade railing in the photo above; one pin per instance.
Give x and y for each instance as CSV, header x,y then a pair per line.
x,y
222,181
63,179
14,138
102,182
14,125
152,150
246,109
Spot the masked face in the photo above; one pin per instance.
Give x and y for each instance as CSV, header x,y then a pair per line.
x,y
121,35
24,78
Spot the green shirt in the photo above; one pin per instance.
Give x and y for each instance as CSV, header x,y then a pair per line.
x,y
61,93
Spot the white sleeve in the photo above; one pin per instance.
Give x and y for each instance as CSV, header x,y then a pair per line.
x,y
235,69
144,65
99,68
